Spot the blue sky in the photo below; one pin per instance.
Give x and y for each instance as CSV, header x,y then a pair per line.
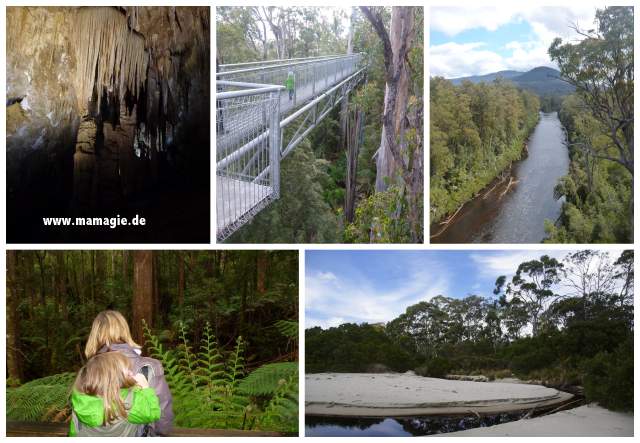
x,y
376,286
473,40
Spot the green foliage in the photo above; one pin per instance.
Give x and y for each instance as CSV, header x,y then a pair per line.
x,y
597,192
437,367
281,412
44,399
301,215
267,379
209,387
609,379
353,348
477,131
599,119
381,218
287,328
584,337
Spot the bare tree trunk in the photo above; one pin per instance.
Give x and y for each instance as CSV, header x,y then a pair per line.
x,y
390,159
143,286
393,157
345,101
14,366
353,150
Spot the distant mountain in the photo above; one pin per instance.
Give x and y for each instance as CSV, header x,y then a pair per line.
x,y
541,80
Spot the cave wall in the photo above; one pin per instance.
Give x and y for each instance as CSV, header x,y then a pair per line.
x,y
69,154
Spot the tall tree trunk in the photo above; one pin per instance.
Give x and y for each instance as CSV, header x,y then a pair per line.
x,y
262,261
397,43
143,286
101,272
354,128
61,284
27,281
393,156
181,284
125,267
345,101
14,366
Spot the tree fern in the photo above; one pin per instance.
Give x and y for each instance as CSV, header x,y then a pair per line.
x,y
43,399
281,412
287,328
267,379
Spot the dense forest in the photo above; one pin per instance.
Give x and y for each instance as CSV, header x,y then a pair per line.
x,y
562,322
599,122
334,189
479,129
477,132
223,323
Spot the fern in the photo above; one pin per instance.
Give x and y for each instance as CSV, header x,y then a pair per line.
x,y
281,412
267,379
43,399
210,387
287,328
210,365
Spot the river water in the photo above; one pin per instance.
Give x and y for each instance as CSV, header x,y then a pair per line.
x,y
518,215
399,427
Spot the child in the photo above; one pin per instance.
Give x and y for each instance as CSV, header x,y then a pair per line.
x,y
290,84
108,400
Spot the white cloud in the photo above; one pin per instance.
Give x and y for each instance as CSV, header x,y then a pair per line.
x,y
453,20
459,60
330,302
494,264
327,276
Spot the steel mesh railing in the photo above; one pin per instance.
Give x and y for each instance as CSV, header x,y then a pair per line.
x,y
251,105
312,76
247,122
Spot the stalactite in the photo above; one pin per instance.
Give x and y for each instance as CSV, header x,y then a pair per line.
x,y
108,54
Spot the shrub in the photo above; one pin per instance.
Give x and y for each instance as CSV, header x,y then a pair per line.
x,y
436,367
609,378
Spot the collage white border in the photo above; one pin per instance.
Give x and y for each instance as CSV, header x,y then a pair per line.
x,y
303,247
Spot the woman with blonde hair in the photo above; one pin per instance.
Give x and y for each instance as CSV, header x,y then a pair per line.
x,y
110,332
109,400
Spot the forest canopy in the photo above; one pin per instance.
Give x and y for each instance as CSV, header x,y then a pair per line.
x,y
563,322
223,323
477,131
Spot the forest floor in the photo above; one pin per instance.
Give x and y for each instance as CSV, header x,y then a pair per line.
x,y
395,395
588,421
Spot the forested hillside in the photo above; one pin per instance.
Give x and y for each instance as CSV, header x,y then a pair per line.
x,y
479,127
477,131
335,186
562,322
599,122
223,323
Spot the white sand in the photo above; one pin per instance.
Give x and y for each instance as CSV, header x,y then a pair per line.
x,y
379,395
584,421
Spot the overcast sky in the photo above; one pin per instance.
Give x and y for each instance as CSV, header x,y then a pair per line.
x,y
377,286
480,40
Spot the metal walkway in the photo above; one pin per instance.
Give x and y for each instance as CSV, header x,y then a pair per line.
x,y
252,110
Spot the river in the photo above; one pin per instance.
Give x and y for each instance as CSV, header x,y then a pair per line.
x,y
517,215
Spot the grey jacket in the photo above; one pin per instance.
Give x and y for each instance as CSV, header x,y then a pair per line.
x,y
156,381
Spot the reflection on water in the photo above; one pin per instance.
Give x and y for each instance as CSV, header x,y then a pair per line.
x,y
517,216
398,427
